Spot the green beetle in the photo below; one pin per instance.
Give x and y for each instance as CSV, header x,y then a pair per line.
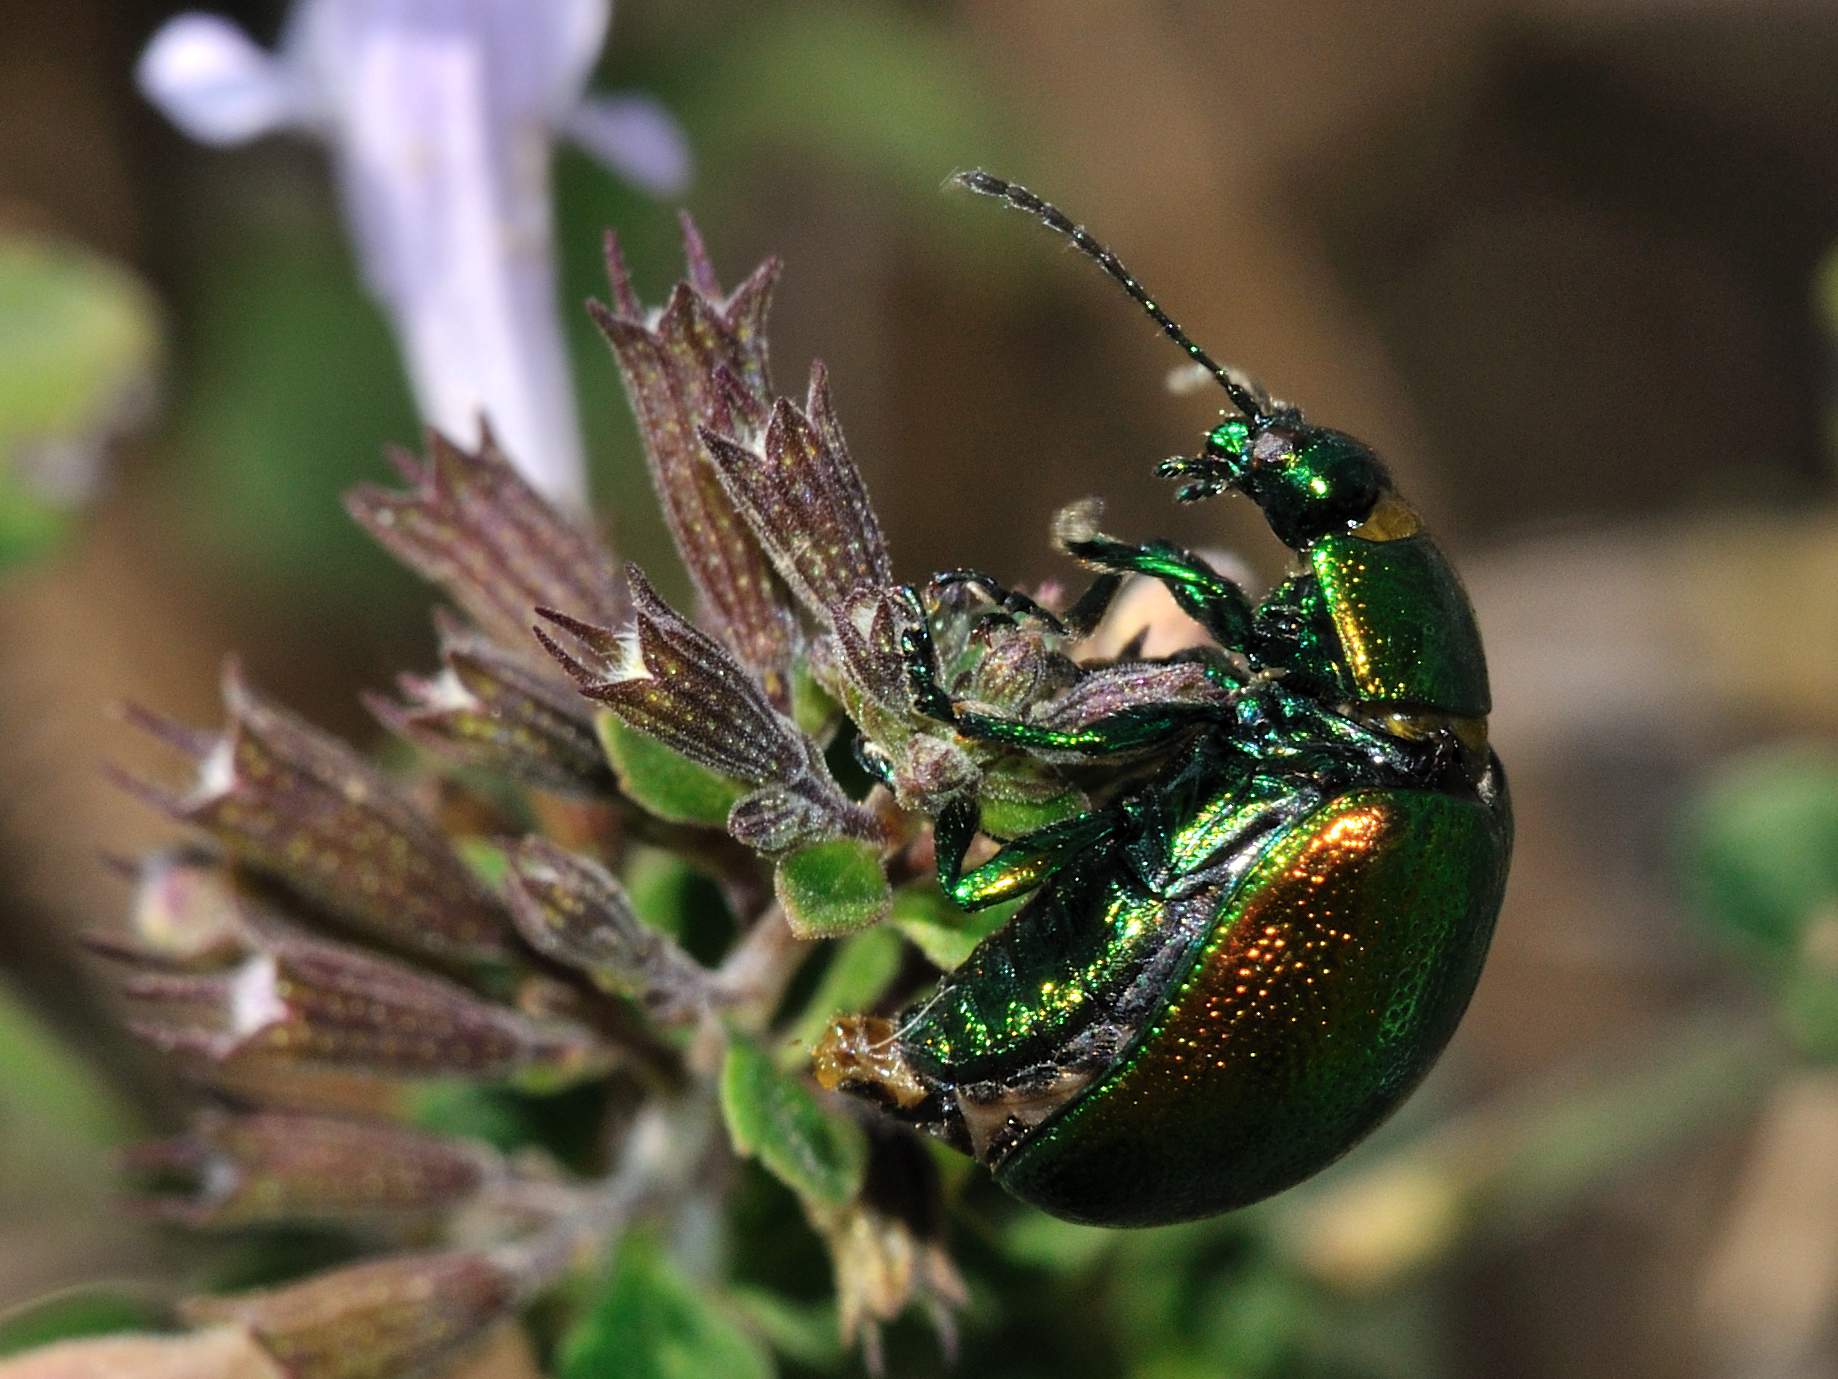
x,y
1243,958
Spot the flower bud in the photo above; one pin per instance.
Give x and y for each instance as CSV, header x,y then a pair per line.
x,y
188,907
472,525
399,1317
804,500
488,709
279,1168
301,806
572,910
318,1004
675,683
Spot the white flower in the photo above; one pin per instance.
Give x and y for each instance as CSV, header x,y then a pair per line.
x,y
440,116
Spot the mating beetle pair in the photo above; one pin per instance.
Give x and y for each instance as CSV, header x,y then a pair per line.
x,y
1264,930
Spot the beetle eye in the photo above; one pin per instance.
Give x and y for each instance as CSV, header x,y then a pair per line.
x,y
1229,437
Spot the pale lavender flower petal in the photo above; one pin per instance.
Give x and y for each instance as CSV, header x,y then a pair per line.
x,y
635,137
438,113
213,81
440,116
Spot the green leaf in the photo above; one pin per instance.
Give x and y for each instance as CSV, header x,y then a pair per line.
x,y
465,1110
778,1120
831,889
812,709
663,782
652,1323
944,933
1015,817
486,858
857,975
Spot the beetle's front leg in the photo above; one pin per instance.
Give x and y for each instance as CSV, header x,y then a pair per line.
x,y
1205,595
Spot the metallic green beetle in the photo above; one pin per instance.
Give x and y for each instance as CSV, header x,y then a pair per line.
x,y
1245,957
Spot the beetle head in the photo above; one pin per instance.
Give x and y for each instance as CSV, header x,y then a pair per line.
x,y
1309,481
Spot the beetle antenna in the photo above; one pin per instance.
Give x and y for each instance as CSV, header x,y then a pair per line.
x,y
987,184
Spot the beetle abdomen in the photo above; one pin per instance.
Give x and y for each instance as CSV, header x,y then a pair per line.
x,y
1337,970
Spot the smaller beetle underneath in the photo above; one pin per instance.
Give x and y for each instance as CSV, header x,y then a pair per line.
x,y
1265,920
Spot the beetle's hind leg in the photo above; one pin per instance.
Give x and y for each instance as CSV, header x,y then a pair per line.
x,y
1020,866
1205,595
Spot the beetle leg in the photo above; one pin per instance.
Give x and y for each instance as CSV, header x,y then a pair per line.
x,y
1012,602
1204,594
1020,866
1123,731
921,659
1082,619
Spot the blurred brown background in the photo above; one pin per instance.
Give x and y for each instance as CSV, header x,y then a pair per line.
x,y
1556,258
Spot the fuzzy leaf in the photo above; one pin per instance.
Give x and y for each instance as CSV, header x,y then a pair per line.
x,y
669,362
833,888
652,1323
472,525
778,1120
941,931
1015,805
662,781
858,974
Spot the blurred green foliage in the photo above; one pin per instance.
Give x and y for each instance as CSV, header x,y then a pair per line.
x,y
1758,861
79,346
774,1117
77,1313
651,1322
